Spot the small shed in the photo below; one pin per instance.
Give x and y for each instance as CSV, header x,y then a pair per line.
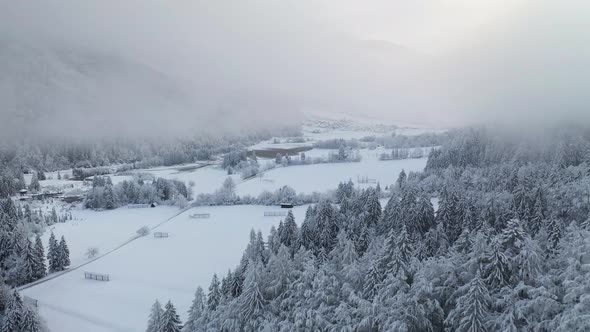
x,y
153,204
286,205
22,192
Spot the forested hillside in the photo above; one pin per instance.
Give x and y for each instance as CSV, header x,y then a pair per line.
x,y
508,249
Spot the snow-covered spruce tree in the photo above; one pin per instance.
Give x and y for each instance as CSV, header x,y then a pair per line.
x,y
30,321
372,280
401,179
554,232
39,268
308,233
251,300
63,254
214,296
373,208
29,264
170,319
155,318
278,271
471,314
194,322
290,233
498,271
34,186
512,237
449,216
574,275
53,254
274,242
13,315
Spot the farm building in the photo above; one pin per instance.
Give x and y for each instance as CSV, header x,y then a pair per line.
x,y
286,205
73,198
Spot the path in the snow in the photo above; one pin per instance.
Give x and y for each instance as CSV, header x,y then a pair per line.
x,y
77,267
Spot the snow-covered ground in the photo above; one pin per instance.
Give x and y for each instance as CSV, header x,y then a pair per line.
x,y
323,177
206,179
150,268
104,229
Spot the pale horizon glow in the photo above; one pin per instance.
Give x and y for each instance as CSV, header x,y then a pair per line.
x,y
430,27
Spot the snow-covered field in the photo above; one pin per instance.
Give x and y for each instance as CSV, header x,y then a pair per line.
x,y
150,268
206,179
104,229
323,177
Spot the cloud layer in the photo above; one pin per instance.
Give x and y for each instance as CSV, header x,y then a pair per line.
x,y
272,59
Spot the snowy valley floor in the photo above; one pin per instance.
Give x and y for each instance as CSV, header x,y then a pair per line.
x,y
172,268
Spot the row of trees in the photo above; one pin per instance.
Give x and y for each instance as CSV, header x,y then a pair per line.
x,y
21,260
508,249
139,190
164,319
226,195
54,155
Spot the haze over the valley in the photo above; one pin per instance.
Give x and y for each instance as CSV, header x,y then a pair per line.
x,y
141,68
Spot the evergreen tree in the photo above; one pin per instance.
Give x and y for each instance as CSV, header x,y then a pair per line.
x,y
512,238
290,233
170,319
449,216
554,230
327,225
307,237
251,301
54,218
401,254
361,242
372,281
29,264
498,270
13,315
373,208
214,296
425,213
401,179
34,186
39,268
63,254
109,197
30,321
53,254
155,319
471,313
196,311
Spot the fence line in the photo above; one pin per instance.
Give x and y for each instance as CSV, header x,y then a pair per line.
x,y
200,215
137,206
96,276
31,301
275,213
160,234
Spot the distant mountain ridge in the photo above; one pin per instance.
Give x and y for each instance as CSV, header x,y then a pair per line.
x,y
44,87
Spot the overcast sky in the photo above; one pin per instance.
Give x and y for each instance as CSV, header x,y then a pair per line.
x,y
446,62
